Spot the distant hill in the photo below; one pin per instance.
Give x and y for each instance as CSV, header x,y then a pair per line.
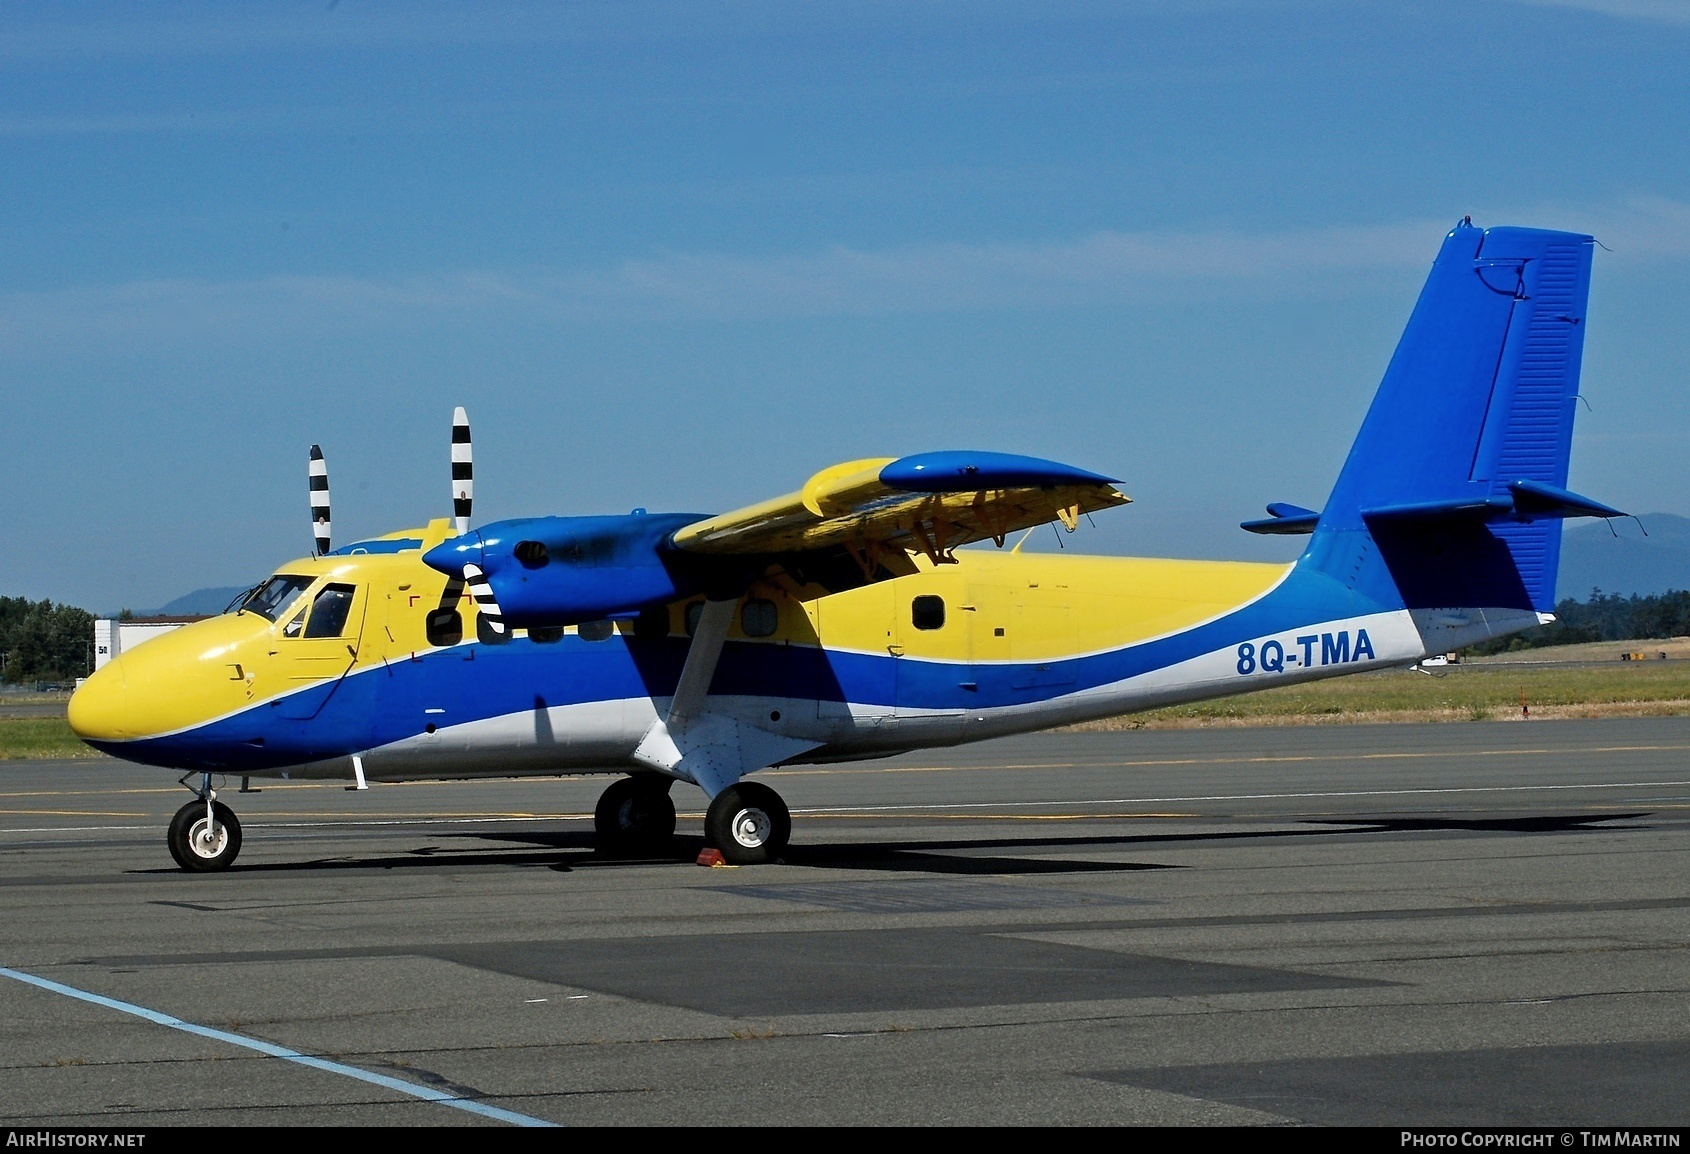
x,y
200,601
1594,557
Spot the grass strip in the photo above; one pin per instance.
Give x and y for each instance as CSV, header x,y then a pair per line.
x,y
1458,692
40,737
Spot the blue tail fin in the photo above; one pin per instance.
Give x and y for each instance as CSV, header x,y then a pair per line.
x,y
1454,491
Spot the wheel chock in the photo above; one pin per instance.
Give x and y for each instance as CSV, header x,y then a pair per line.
x,y
713,858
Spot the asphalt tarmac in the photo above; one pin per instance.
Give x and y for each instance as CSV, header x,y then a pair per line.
x,y
1457,924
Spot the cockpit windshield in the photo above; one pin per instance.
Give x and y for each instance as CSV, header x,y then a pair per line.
x,y
277,595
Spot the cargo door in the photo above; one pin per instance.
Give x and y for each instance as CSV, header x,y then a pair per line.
x,y
1041,638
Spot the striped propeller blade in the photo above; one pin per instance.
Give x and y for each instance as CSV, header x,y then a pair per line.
x,y
320,501
485,603
463,470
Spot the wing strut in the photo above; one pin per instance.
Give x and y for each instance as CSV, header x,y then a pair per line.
x,y
706,650
711,750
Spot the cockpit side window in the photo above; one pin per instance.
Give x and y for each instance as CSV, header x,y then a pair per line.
x,y
329,611
276,596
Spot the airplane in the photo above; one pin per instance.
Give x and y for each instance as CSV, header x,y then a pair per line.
x,y
845,620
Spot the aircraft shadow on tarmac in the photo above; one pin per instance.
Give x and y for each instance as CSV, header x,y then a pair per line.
x,y
567,850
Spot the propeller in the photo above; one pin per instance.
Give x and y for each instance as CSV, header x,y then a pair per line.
x,y
485,603
463,470
320,500
463,501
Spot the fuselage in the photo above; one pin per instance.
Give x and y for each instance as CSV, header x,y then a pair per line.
x,y
397,672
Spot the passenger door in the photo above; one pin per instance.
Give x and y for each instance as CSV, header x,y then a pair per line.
x,y
316,648
930,629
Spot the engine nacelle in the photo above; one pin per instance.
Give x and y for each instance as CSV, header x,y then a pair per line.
x,y
565,570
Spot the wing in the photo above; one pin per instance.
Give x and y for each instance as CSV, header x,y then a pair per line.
x,y
930,503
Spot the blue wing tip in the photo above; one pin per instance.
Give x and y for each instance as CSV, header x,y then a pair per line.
x,y
956,470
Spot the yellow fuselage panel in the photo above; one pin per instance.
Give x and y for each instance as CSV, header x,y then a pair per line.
x,y
1038,607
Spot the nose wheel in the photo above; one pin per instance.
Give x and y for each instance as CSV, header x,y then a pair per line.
x,y
205,836
749,823
635,817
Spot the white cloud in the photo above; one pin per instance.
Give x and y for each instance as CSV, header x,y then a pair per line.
x,y
1099,269
1657,11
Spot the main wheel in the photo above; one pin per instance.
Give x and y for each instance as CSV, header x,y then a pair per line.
x,y
635,816
749,823
201,846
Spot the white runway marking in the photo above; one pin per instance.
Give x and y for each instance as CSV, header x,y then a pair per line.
x,y
269,1049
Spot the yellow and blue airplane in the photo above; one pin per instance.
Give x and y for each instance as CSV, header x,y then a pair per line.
x,y
841,621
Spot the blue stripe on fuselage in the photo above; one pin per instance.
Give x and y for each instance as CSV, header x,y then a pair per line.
x,y
472,682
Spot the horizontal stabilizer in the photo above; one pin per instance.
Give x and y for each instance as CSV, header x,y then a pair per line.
x,y
1526,501
1285,519
1535,499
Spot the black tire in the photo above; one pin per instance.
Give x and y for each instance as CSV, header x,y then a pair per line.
x,y
749,823
635,816
188,845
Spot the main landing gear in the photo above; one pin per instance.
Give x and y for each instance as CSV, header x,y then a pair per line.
x,y
204,835
747,821
635,817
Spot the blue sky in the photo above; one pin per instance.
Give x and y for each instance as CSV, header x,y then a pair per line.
x,y
682,255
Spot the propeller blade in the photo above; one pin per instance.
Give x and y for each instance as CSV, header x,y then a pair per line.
x,y
485,603
463,470
320,500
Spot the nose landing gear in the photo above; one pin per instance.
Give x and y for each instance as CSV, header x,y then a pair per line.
x,y
204,835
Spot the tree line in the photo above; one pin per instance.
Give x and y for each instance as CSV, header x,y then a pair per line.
x,y
41,641
1605,617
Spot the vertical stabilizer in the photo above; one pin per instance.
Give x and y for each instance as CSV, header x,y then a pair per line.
x,y
1475,414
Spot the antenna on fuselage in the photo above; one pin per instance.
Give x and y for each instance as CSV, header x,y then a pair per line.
x,y
463,470
320,501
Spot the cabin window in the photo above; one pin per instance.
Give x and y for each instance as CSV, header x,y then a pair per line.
x,y
329,611
695,611
276,596
546,634
444,627
928,612
485,633
292,628
596,630
759,617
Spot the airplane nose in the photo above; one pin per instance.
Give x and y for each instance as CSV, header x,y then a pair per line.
x,y
99,710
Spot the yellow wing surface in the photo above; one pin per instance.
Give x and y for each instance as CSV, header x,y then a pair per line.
x,y
884,509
